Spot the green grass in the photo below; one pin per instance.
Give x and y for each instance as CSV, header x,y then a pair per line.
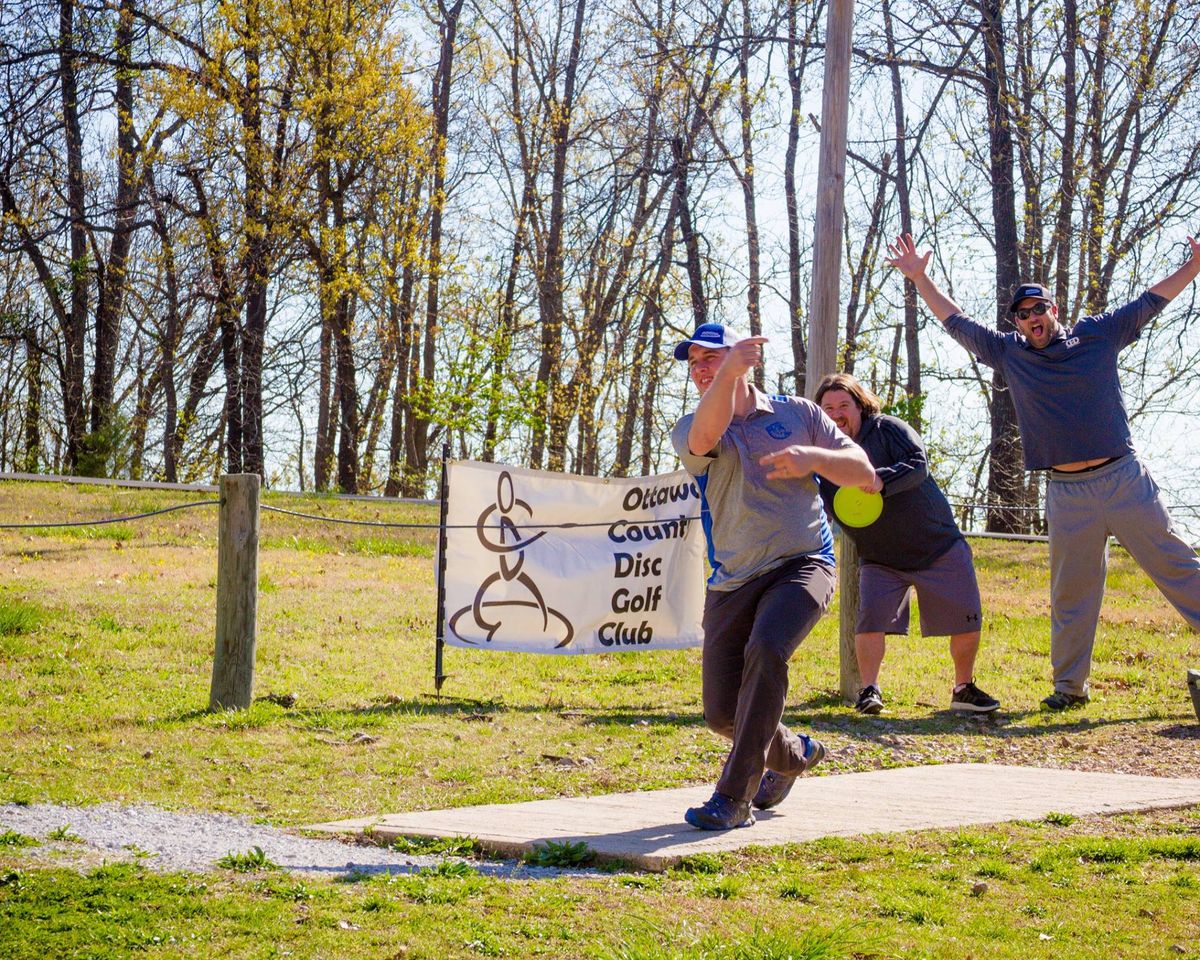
x,y
250,861
17,617
104,679
10,838
553,853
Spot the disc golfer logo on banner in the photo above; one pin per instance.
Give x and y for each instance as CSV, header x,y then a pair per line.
x,y
551,563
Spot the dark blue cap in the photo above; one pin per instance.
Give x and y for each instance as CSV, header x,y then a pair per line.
x,y
713,335
1029,291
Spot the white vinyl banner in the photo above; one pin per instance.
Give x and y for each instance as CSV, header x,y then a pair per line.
x,y
551,563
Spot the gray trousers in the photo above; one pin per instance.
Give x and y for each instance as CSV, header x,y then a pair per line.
x,y
749,635
1121,499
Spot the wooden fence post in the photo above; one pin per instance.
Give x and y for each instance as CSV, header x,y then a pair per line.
x,y
851,680
237,593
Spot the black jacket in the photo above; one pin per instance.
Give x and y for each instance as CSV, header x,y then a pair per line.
x,y
917,525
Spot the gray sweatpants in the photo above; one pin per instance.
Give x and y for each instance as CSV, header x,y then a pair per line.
x,y
1121,499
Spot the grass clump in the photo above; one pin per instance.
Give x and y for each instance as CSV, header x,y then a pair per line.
x,y
63,834
10,838
554,853
250,861
17,617
467,847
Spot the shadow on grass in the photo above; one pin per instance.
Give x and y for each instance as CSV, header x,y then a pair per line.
x,y
1006,725
462,708
1180,731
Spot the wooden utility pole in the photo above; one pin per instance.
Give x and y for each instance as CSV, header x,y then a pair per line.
x,y
824,312
237,593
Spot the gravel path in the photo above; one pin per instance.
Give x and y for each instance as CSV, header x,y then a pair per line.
x,y
195,841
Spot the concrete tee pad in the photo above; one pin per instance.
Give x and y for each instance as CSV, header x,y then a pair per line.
x,y
646,829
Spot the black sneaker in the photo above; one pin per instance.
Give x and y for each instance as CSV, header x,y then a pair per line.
x,y
720,812
775,786
1061,700
870,700
970,699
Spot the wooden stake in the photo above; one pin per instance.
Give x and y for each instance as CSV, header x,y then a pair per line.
x,y
237,593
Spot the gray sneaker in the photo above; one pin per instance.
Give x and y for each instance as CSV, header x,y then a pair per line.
x,y
775,786
720,812
1060,700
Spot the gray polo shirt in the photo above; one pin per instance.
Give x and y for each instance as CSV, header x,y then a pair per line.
x,y
1068,394
752,524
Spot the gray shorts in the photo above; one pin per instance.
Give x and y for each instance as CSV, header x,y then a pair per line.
x,y
947,596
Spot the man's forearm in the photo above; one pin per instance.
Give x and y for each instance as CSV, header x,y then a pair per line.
x,y
1172,286
848,467
940,305
713,415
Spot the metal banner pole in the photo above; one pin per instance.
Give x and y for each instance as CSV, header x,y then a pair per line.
x,y
439,677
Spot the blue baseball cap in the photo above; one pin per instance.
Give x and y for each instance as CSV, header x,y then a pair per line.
x,y
715,336
1029,291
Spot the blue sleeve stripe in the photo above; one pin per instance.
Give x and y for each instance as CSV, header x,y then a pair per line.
x,y
706,523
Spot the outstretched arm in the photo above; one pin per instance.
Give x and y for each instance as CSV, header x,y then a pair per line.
x,y
904,257
1172,286
847,467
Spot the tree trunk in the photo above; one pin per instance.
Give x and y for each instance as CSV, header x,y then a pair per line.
x,y
419,460
1061,241
550,285
76,317
912,347
796,65
1005,474
31,449
112,290
746,177
691,244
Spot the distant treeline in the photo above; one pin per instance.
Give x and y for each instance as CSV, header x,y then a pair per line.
x,y
319,240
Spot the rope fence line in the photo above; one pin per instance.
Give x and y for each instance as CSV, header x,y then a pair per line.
x,y
98,523
983,534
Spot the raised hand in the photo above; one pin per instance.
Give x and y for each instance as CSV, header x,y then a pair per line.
x,y
744,355
904,257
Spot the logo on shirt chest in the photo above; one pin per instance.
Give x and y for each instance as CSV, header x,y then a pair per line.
x,y
778,431
1072,342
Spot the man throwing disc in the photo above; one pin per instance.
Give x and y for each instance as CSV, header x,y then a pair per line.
x,y
914,544
1073,422
771,553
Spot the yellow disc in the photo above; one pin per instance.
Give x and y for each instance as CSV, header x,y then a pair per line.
x,y
855,508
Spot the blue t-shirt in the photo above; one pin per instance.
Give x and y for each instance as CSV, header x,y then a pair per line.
x,y
753,524
1067,395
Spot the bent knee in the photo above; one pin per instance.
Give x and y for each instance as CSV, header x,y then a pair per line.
x,y
719,722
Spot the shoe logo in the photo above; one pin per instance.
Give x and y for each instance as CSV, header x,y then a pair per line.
x,y
510,545
778,431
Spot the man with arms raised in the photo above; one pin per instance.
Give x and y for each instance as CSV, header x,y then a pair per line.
x,y
771,553
1073,421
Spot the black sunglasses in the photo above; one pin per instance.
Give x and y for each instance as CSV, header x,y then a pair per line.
x,y
1036,310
